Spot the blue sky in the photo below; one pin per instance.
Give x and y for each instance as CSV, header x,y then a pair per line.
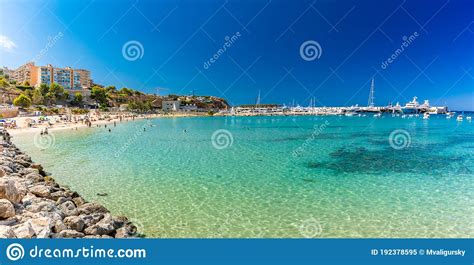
x,y
178,37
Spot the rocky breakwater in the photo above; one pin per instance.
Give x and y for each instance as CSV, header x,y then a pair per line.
x,y
33,205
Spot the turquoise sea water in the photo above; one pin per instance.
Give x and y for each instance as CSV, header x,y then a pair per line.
x,y
274,176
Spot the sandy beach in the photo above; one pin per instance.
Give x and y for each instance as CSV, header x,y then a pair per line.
x,y
59,122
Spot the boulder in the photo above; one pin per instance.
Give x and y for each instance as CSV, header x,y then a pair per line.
x,y
42,206
68,208
6,209
124,232
42,226
70,234
90,207
78,201
11,190
41,191
24,231
59,226
58,194
6,232
39,168
100,229
92,219
74,223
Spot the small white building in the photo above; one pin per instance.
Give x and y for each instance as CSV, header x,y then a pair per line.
x,y
189,107
171,105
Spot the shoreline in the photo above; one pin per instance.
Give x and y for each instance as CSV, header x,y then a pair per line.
x,y
33,205
99,120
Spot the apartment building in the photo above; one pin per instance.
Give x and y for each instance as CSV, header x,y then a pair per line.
x,y
73,80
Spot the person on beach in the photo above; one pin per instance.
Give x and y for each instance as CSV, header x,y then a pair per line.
x,y
115,124
110,130
46,130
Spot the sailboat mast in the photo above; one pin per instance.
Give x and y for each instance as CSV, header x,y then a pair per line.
x,y
371,95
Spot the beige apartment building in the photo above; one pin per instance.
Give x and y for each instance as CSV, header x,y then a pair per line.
x,y
73,80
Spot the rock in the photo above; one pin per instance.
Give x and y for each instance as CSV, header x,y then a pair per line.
x,y
92,236
6,232
74,222
36,177
124,232
39,168
22,162
42,226
6,169
24,231
6,209
103,227
62,200
78,201
41,191
59,226
100,229
68,208
91,207
57,194
42,206
70,234
11,190
92,219
2,172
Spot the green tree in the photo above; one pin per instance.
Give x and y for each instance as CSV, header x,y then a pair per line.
x,y
77,98
37,98
110,88
99,94
66,95
56,89
3,82
43,88
22,101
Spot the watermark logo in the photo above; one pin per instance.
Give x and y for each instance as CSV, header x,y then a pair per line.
x,y
50,44
310,228
15,252
407,41
133,50
44,141
222,139
310,50
317,130
399,139
229,42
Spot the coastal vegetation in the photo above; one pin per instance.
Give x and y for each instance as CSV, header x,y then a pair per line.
x,y
47,97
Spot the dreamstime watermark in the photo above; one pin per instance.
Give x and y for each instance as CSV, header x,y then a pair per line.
x,y
310,228
407,41
50,44
399,139
44,141
222,139
310,50
15,252
133,50
139,132
317,130
229,42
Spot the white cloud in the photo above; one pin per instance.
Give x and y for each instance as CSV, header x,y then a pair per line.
x,y
6,43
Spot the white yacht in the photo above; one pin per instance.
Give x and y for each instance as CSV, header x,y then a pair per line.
x,y
426,116
411,107
459,118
